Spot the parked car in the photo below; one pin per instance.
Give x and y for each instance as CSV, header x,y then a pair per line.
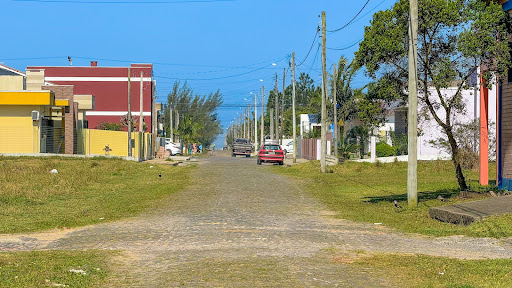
x,y
288,147
242,147
174,148
271,153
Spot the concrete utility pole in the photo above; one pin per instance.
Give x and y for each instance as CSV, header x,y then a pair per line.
x,y
271,114
282,109
335,104
294,120
141,121
171,134
276,107
249,122
154,126
129,116
177,124
262,137
323,140
246,123
412,168
255,123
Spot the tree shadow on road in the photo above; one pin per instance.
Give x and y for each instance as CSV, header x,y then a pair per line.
x,y
422,196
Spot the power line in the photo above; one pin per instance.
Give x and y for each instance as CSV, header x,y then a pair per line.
x,y
312,44
217,78
369,11
347,47
123,2
31,58
178,64
349,22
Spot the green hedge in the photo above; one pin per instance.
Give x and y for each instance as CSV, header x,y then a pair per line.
x,y
384,150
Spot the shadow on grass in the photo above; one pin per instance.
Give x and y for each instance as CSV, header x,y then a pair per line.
x,y
429,195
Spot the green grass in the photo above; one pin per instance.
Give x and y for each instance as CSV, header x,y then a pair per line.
x,y
50,268
365,192
85,191
426,271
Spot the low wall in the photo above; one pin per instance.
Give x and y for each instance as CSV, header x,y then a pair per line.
x,y
97,141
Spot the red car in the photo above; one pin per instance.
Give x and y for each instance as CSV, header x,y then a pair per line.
x,y
271,153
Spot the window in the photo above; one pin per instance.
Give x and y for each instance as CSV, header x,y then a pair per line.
x,y
271,147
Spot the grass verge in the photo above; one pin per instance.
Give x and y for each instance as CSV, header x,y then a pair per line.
x,y
365,192
85,191
52,269
427,271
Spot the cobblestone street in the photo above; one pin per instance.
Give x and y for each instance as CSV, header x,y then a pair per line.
x,y
240,225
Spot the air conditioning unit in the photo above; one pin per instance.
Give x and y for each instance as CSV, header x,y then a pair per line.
x,y
35,115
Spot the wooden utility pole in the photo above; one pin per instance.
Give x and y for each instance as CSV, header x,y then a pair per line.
x,y
262,137
335,104
129,116
282,109
255,122
271,114
323,140
412,130
294,121
276,107
141,121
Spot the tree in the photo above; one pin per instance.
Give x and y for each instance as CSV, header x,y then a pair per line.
x,y
344,91
455,37
198,121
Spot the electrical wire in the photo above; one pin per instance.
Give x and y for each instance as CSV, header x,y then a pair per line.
x,y
178,64
364,15
346,47
310,48
123,2
349,22
217,78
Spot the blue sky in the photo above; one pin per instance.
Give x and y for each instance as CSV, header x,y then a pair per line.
x,y
197,41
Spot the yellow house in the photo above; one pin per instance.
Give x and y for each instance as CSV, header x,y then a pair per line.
x,y
21,120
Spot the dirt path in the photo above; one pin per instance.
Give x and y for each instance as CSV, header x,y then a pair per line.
x,y
241,225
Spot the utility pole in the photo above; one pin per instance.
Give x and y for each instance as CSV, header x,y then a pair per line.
x,y
412,167
154,125
246,131
276,106
248,122
171,134
323,140
271,114
262,137
294,121
129,116
335,104
141,121
177,124
255,123
282,109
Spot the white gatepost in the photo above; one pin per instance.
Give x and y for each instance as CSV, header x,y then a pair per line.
x,y
372,147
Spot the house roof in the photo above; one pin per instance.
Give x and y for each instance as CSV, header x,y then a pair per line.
x,y
7,68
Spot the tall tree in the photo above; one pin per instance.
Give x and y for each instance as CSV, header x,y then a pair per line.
x,y
455,37
198,114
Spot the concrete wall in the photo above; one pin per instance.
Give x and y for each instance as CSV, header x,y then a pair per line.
x,y
18,133
117,141
12,83
431,130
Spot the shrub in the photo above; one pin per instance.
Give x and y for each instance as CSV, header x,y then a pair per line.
x,y
104,125
384,150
